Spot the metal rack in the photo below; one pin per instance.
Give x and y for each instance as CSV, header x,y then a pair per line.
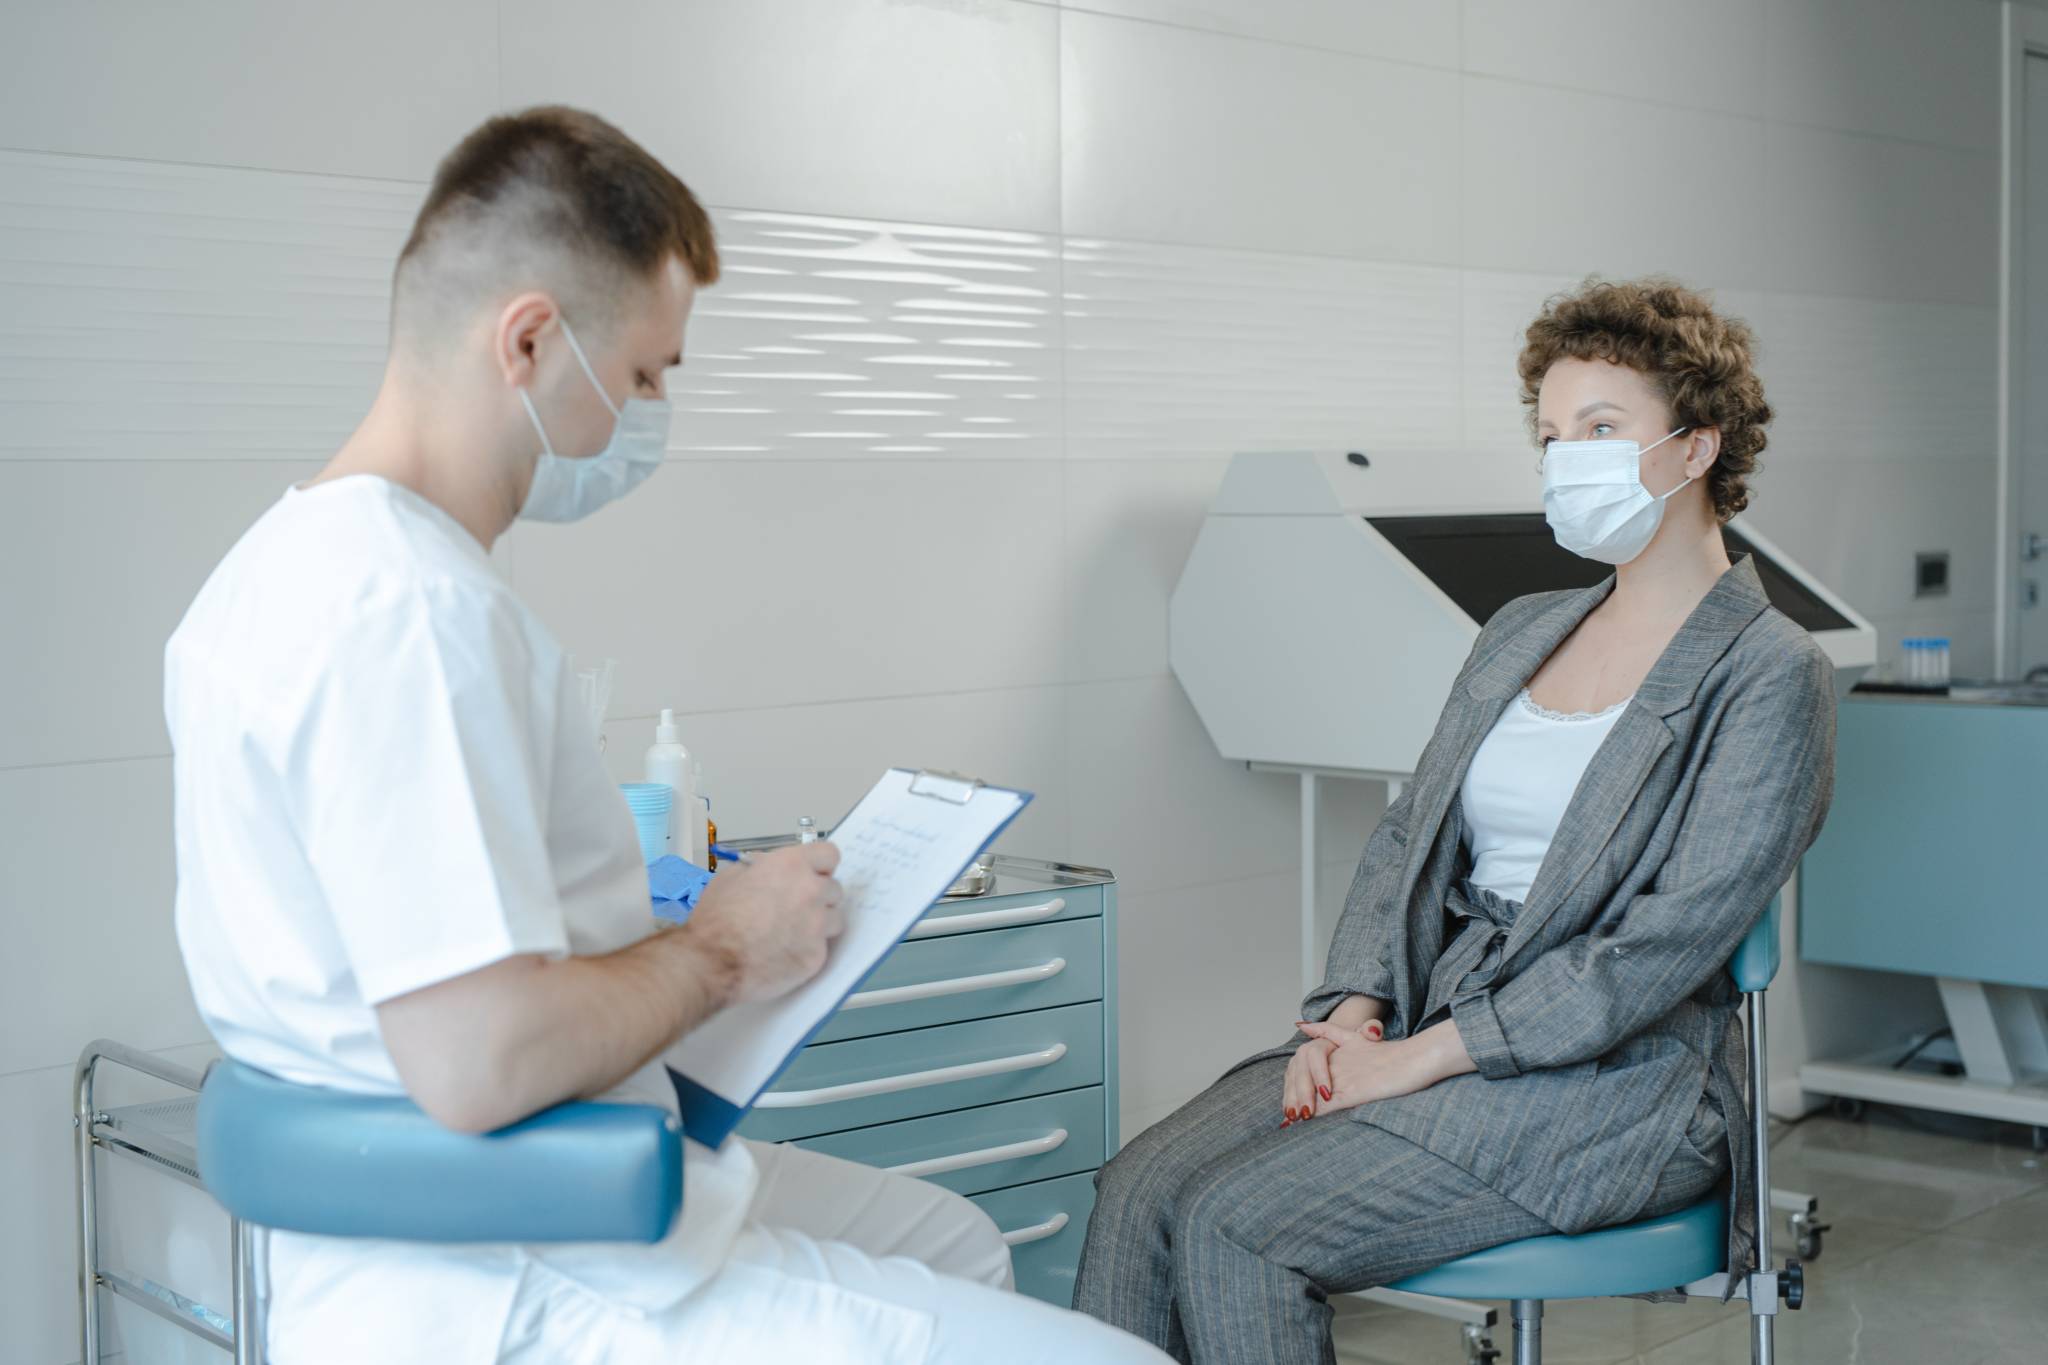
x,y
162,1137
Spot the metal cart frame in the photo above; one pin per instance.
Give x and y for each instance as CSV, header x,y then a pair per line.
x,y
158,1136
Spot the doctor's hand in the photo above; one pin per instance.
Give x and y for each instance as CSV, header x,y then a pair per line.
x,y
769,922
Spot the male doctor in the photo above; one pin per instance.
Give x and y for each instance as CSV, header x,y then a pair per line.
x,y
402,867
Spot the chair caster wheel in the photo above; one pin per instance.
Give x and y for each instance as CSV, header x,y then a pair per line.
x,y
1805,1232
1479,1347
1849,1109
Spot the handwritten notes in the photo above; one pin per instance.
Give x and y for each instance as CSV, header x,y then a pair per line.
x,y
899,850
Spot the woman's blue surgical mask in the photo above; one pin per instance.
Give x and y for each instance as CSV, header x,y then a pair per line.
x,y
1594,499
568,489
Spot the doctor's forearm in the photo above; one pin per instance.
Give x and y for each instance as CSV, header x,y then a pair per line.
x,y
499,1044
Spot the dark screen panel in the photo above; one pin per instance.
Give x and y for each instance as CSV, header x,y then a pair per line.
x,y
1484,561
1787,593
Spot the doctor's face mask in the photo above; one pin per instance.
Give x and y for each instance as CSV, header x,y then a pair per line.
x,y
565,488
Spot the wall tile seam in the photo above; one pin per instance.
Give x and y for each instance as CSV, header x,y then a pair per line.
x,y
1262,40
72,1065
1463,70
1062,239
1061,683
1766,121
943,694
186,164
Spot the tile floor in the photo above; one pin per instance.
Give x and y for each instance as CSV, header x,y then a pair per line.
x,y
1938,1253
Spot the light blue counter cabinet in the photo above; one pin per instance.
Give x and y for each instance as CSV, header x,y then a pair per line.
x,y
1934,863
980,1055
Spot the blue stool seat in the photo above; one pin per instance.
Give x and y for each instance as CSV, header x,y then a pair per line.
x,y
306,1159
1635,1258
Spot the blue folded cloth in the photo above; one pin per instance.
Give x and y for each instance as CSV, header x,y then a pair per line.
x,y
674,884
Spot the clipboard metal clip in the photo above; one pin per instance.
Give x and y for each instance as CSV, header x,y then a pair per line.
x,y
943,786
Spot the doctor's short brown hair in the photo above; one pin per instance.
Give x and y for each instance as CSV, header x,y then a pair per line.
x,y
1702,362
552,198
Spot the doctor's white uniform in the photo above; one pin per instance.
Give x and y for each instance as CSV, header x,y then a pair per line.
x,y
384,778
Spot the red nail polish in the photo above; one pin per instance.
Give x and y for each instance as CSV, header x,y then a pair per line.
x,y
1324,1091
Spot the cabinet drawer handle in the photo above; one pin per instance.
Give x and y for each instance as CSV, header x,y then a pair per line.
x,y
987,1156
1037,1232
959,985
889,1085
988,919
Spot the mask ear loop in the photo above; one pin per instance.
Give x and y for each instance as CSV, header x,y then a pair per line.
x,y
546,446
1690,478
591,374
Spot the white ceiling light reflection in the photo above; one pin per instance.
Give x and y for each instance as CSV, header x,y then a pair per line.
x,y
797,376
775,296
951,320
899,395
860,338
894,277
842,298
961,306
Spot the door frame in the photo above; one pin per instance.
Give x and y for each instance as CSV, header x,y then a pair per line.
x,y
2025,34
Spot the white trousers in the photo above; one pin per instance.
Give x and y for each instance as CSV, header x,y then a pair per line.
x,y
838,1264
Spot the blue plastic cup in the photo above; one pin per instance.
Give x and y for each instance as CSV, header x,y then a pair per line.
x,y
649,802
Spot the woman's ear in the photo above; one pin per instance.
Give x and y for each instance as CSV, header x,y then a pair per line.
x,y
1703,448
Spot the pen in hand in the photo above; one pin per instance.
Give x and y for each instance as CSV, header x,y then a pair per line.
x,y
725,853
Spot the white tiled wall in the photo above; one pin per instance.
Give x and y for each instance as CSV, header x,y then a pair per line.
x,y
1007,284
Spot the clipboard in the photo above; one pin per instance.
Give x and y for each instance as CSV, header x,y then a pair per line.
x,y
898,855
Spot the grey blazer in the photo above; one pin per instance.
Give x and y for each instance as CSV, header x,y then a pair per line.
x,y
1603,1012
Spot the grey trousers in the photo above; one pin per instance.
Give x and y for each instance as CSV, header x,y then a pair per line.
x,y
1217,1236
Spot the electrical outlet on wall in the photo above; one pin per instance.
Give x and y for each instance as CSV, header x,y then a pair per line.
x,y
1930,573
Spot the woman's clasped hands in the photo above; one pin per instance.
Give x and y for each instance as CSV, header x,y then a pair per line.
x,y
1341,1068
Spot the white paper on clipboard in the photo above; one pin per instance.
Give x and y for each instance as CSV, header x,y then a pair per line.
x,y
912,836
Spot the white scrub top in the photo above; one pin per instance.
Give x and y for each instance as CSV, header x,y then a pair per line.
x,y
384,778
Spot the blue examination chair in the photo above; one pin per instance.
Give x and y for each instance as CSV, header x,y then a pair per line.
x,y
306,1159
1685,1250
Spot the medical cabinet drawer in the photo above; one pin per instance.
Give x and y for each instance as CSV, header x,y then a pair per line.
x,y
977,913
835,1086
1045,1224
972,976
971,1151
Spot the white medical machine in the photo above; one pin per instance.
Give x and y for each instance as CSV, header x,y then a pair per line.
x,y
1332,596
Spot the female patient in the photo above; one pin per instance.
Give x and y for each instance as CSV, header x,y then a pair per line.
x,y
1526,1024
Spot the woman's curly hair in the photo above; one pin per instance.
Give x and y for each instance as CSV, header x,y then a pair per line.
x,y
1703,363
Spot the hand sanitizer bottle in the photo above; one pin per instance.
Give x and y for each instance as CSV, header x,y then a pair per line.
x,y
668,761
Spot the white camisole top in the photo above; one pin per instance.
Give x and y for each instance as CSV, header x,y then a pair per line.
x,y
1521,779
